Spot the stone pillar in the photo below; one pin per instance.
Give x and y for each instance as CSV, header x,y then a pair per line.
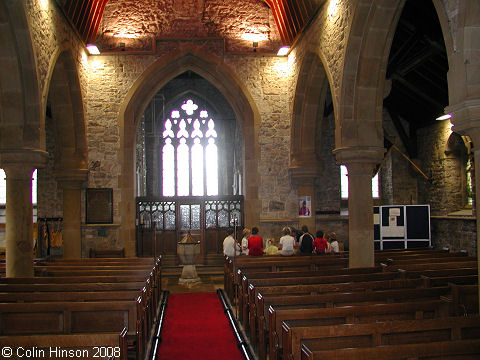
x,y
360,162
360,215
72,182
466,121
19,166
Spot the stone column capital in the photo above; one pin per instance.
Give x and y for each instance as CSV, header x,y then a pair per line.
x,y
19,163
303,175
73,179
367,155
304,165
466,118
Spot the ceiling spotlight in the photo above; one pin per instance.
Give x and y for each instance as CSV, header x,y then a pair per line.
x,y
444,117
283,50
93,49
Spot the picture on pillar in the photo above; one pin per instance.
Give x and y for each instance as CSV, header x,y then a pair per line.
x,y
304,206
99,206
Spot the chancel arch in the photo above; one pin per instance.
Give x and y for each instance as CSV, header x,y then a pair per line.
x,y
155,78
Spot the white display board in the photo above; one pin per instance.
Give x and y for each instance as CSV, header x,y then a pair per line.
x,y
401,226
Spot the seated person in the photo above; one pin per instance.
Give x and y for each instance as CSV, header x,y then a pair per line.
x,y
287,242
255,243
306,242
320,244
230,246
271,249
246,235
333,246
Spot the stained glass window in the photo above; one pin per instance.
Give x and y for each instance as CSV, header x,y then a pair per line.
x,y
189,152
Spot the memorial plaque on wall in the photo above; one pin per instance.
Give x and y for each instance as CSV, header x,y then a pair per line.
x,y
99,206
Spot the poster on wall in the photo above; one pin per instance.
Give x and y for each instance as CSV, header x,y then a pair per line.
x,y
304,206
393,223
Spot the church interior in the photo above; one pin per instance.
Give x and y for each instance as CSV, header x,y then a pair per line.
x,y
134,134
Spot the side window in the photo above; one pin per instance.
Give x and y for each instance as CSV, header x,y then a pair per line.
x,y
344,184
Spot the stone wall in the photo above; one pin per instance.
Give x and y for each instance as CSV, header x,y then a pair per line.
x,y
49,195
52,34
328,181
398,178
456,233
266,79
445,191
136,22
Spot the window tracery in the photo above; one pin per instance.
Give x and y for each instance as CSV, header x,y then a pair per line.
x,y
189,152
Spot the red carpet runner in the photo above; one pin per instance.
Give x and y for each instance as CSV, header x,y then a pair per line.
x,y
196,328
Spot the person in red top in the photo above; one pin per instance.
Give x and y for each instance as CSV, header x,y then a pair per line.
x,y
320,244
255,243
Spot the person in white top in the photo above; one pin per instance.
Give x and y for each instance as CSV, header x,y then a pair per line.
x,y
332,243
230,247
287,242
246,234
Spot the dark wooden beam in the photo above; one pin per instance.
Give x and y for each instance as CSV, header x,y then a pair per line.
x,y
407,142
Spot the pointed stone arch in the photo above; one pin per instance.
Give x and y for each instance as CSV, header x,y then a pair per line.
x,y
154,78
20,100
366,58
308,108
65,97
308,113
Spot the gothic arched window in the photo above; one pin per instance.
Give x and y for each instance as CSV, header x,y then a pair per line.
x,y
189,153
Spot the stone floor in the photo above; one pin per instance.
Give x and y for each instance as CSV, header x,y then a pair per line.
x,y
207,284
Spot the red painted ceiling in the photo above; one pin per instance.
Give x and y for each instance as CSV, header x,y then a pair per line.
x,y
291,16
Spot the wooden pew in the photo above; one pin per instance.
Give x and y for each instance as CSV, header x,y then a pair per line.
x,y
112,253
50,296
242,294
399,261
286,320
67,317
69,261
255,264
337,299
254,310
272,267
83,316
452,350
465,298
274,264
111,287
84,346
248,305
421,266
380,334
268,295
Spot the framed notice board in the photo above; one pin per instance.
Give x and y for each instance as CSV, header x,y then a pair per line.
x,y
99,206
402,227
